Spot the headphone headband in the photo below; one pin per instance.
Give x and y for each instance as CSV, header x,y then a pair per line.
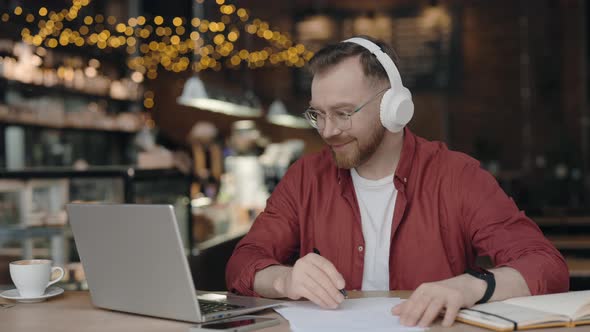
x,y
386,62
396,108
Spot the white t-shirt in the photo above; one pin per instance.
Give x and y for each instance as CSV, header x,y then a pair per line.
x,y
376,199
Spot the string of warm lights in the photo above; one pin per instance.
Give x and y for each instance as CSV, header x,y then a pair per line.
x,y
167,46
55,20
154,44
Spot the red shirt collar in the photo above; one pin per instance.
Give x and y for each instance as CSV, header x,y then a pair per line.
x,y
406,159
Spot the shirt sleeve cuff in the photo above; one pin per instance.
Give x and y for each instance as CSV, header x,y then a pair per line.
x,y
539,281
245,284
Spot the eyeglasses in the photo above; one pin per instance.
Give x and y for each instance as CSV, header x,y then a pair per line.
x,y
342,120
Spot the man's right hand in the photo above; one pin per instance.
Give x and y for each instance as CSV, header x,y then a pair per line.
x,y
312,277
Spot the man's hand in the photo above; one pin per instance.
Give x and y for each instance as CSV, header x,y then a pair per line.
x,y
312,277
430,299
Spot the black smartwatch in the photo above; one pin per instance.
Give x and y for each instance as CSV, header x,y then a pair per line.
x,y
486,276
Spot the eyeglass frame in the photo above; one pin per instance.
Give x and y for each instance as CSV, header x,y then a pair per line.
x,y
307,116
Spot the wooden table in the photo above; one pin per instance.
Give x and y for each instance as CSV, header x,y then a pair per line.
x,y
73,311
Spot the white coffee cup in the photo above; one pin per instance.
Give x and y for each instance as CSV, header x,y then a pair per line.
x,y
32,276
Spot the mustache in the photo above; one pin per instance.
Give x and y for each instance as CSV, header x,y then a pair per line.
x,y
338,142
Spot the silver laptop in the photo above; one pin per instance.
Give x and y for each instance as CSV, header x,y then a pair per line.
x,y
135,262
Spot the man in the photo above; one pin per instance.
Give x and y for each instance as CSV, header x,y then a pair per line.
x,y
387,209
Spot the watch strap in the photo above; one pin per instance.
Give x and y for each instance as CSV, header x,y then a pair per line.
x,y
490,280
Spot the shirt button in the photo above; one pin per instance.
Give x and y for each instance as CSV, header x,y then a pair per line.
x,y
360,248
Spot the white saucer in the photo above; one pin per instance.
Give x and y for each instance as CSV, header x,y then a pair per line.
x,y
13,294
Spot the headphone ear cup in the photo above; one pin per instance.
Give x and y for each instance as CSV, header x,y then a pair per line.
x,y
397,109
387,113
404,108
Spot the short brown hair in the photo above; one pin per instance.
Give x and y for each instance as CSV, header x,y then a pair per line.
x,y
333,54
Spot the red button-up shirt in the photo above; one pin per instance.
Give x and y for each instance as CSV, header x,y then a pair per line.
x,y
448,212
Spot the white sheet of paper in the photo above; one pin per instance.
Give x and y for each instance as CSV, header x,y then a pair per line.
x,y
373,313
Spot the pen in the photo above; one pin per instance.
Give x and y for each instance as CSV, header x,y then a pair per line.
x,y
342,291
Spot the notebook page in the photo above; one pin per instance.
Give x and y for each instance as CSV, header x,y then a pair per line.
x,y
368,314
562,303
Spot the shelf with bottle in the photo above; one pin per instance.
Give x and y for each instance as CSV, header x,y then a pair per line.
x,y
63,90
49,114
43,71
29,242
34,211
33,221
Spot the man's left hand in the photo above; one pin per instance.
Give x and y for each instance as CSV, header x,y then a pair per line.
x,y
430,299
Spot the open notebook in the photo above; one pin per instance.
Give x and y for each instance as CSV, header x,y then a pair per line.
x,y
530,312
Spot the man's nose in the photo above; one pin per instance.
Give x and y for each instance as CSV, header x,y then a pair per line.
x,y
330,128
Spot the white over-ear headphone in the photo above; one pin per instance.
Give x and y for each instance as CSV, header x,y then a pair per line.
x,y
396,106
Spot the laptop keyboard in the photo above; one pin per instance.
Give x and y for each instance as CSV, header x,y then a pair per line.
x,y
208,307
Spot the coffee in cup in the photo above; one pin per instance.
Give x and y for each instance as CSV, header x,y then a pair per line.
x,y
32,276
